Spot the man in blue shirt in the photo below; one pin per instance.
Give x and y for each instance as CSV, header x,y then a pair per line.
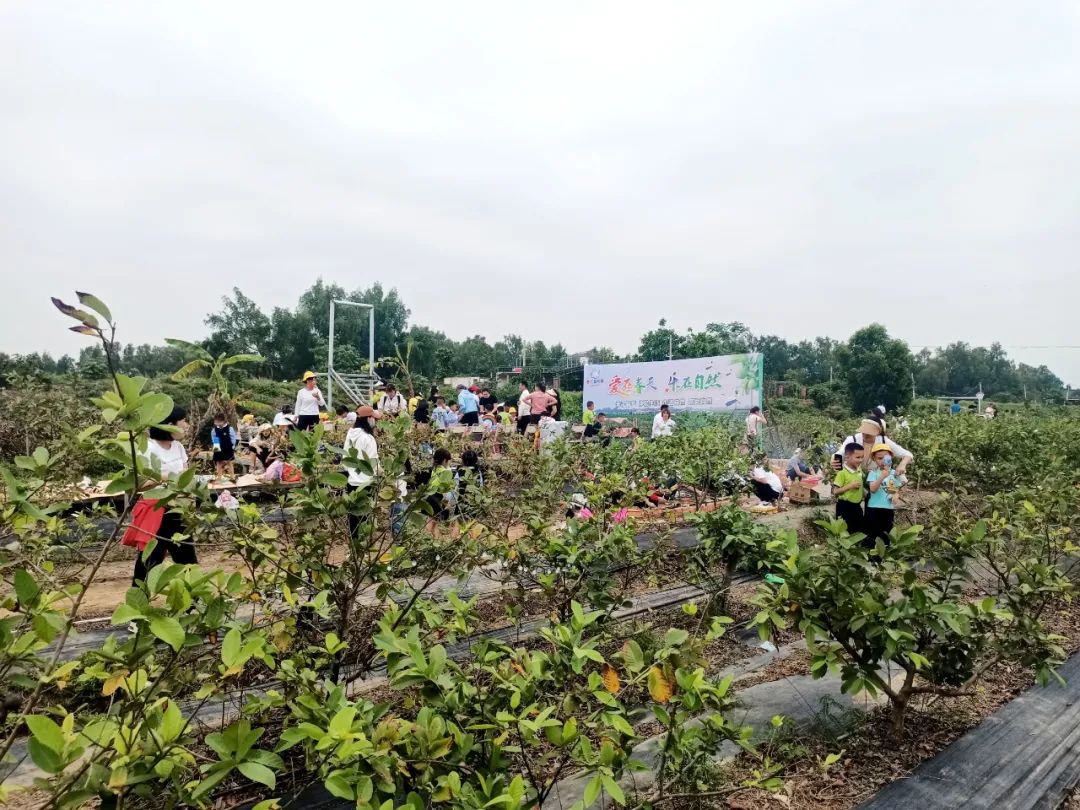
x,y
470,406
955,408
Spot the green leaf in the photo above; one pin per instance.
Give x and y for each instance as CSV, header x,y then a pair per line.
x,y
125,613
155,407
675,637
337,785
632,655
230,647
258,773
342,721
96,304
168,630
83,435
172,722
613,789
241,358
592,791
162,575
210,782
44,757
334,479
26,588
46,732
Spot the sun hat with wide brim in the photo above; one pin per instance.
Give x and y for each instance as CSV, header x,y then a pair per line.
x,y
869,427
309,375
366,411
877,448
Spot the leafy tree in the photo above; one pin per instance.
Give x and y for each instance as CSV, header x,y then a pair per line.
x,y
350,323
291,351
432,352
474,356
240,328
602,354
220,400
656,343
92,362
877,369
861,608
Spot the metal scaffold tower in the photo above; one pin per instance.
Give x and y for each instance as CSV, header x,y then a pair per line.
x,y
357,386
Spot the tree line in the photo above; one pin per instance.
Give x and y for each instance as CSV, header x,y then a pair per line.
x,y
870,367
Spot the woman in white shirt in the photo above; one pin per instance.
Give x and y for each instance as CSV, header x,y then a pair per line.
x,y
361,440
166,458
767,484
754,420
870,432
309,402
662,423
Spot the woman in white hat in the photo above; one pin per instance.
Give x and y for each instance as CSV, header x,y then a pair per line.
x,y
872,431
309,402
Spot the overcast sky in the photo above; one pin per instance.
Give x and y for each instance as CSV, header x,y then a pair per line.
x,y
571,172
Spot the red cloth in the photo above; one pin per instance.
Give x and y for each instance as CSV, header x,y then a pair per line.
x,y
146,520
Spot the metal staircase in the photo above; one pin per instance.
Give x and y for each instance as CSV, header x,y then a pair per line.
x,y
356,388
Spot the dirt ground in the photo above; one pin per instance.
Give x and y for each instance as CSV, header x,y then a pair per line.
x,y
114,577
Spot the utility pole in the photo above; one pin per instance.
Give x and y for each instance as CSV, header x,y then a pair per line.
x,y
912,385
669,353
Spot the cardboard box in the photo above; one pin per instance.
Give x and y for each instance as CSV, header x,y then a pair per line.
x,y
799,492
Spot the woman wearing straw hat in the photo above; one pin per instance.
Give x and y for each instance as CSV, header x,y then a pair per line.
x,y
309,402
872,431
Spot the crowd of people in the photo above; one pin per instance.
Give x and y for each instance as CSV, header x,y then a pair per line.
x,y
869,466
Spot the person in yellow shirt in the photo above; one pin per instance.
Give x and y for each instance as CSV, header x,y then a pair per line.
x,y
848,488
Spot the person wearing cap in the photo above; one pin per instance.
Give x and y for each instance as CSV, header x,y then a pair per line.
x,y
360,443
883,483
469,404
309,403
